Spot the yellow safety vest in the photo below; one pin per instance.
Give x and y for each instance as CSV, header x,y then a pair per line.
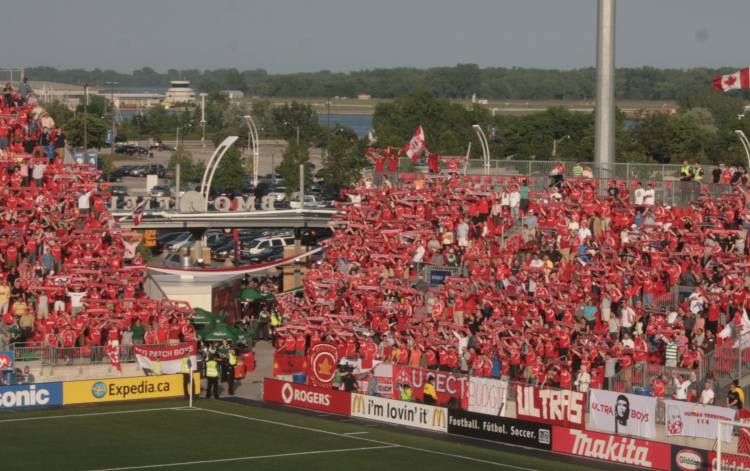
x,y
212,371
275,320
685,170
232,359
185,366
406,394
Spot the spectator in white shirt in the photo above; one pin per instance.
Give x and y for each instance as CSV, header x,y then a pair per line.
x,y
515,202
583,380
649,196
639,194
707,395
681,385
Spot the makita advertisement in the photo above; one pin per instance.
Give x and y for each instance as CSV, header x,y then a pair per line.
x,y
551,406
31,395
306,397
605,447
499,429
392,411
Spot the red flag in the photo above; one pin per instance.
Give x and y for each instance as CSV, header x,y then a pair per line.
x,y
739,80
114,355
416,145
322,363
137,213
284,364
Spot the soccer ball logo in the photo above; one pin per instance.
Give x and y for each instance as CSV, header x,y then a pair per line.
x,y
99,390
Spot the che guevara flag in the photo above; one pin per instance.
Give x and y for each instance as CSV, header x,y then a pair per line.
x,y
739,80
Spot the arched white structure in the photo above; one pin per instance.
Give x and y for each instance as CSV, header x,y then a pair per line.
x,y
253,137
213,163
745,144
485,147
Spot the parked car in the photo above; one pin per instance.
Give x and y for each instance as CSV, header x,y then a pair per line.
x,y
120,191
265,242
130,149
266,255
311,202
185,240
161,147
150,169
120,172
161,191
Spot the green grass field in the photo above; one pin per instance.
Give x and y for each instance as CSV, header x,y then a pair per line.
x,y
218,435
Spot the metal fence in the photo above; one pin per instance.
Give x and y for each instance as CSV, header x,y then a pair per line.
x,y
60,356
618,170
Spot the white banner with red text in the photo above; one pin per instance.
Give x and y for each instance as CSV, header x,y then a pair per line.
x,y
488,396
551,406
622,414
690,419
163,359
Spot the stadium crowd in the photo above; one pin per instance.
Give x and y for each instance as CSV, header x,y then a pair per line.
x,y
559,288
69,275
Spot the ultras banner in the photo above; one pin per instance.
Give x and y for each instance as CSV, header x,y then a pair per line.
x,y
159,360
622,414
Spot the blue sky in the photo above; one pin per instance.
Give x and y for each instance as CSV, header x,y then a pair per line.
x,y
285,36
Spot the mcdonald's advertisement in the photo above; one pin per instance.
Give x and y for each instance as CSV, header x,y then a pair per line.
x,y
500,429
124,389
411,414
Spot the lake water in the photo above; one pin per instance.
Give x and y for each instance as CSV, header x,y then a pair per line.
x,y
361,124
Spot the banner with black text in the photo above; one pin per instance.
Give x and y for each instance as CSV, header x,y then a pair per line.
x,y
622,414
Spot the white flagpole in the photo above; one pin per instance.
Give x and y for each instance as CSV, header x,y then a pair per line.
x,y
190,405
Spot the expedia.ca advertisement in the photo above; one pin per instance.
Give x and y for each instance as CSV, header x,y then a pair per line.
x,y
392,411
122,389
500,429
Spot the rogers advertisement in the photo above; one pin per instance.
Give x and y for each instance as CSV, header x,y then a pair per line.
x,y
551,406
448,385
605,447
306,397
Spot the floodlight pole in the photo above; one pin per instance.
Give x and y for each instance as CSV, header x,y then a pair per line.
x,y
203,119
745,144
485,147
604,137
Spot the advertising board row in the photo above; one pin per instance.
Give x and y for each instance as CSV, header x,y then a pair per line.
x,y
93,391
588,444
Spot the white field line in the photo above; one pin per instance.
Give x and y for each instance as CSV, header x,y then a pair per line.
x,y
244,458
424,450
66,416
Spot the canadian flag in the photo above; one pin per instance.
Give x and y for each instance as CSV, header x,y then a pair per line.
x,y
416,145
739,80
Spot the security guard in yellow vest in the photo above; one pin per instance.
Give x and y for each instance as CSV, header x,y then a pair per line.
x,y
686,172
185,370
212,377
228,369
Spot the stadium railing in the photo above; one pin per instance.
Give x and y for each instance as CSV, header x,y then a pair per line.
x,y
61,356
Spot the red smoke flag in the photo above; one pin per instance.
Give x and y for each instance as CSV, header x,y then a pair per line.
x,y
739,80
416,145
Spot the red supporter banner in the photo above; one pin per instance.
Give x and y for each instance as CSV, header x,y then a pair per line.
x,y
165,359
642,454
448,385
562,407
285,364
322,362
306,397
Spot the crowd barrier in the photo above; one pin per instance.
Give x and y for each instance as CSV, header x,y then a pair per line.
x,y
22,396
584,443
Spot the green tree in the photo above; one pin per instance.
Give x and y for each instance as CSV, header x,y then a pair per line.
x,y
190,170
59,112
96,105
97,130
290,118
230,175
343,161
294,156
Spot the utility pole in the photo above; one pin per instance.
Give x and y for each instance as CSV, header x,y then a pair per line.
x,y
85,117
112,99
203,119
604,138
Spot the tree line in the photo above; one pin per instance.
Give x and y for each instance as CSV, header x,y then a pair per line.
x,y
457,82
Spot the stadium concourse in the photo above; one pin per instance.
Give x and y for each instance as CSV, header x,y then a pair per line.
x,y
560,288
69,276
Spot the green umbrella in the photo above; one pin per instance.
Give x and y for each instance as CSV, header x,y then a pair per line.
x,y
202,317
219,332
252,294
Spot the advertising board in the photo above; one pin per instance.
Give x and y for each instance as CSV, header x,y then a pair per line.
x,y
306,397
125,389
561,407
500,429
22,396
392,411
606,447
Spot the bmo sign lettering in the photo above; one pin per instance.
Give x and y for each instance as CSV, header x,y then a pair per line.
x,y
616,449
551,406
306,397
